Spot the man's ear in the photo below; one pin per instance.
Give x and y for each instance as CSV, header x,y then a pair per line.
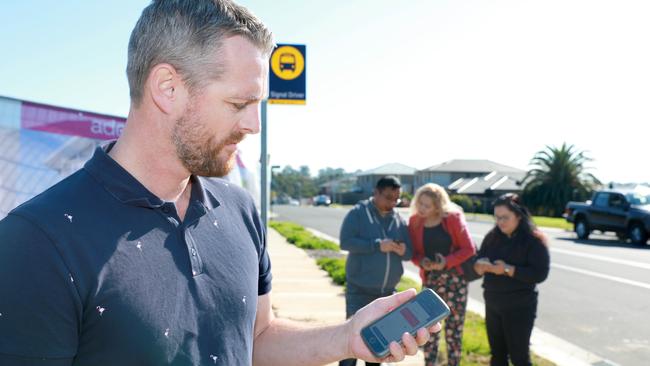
x,y
166,88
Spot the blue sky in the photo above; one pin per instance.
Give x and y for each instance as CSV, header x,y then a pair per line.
x,y
416,82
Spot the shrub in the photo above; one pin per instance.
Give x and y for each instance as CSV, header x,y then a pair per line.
x,y
463,201
335,267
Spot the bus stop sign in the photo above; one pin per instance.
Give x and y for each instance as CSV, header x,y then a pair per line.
x,y
287,82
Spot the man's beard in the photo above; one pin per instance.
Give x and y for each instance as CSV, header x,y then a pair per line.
x,y
199,151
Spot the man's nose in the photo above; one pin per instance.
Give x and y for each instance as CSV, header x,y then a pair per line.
x,y
251,121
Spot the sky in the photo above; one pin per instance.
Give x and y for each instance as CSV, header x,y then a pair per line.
x,y
417,82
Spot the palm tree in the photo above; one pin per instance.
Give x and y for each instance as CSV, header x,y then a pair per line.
x,y
557,175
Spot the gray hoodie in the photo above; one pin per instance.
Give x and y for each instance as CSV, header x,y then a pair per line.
x,y
367,267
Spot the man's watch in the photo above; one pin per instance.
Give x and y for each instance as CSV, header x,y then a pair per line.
x,y
506,269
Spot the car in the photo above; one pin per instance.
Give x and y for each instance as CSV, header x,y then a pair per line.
x,y
322,200
627,213
294,202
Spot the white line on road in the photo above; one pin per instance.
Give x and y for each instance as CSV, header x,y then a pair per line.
x,y
602,258
600,275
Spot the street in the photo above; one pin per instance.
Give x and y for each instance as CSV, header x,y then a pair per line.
x,y
597,295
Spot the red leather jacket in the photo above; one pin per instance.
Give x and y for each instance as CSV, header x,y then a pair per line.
x,y
461,243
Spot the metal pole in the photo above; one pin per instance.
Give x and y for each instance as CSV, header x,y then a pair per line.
x,y
264,172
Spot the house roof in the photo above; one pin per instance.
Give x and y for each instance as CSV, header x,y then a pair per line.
x,y
390,169
471,166
495,181
339,181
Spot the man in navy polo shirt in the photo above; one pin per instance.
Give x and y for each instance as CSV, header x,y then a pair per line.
x,y
136,259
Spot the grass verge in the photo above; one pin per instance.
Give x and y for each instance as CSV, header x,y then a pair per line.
x,y
297,235
541,221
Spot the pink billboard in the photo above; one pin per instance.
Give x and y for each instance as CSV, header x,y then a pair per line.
x,y
42,117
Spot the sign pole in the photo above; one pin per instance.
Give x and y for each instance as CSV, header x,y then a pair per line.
x,y
264,171
287,80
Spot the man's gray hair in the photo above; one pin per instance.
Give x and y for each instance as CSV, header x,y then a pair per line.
x,y
187,34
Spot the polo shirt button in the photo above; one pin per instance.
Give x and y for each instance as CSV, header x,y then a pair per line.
x,y
193,252
193,273
166,209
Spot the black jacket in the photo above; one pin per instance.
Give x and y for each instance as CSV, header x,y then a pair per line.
x,y
523,250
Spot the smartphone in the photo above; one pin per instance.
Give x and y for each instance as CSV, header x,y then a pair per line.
x,y
422,311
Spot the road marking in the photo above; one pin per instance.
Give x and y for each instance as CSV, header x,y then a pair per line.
x,y
600,275
602,258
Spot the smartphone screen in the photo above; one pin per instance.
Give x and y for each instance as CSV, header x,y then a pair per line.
x,y
420,312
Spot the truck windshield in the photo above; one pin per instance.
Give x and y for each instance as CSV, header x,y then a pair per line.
x,y
638,199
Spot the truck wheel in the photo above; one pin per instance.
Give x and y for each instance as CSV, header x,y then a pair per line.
x,y
622,236
581,229
637,234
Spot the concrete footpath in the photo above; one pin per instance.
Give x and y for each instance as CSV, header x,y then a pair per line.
x,y
305,293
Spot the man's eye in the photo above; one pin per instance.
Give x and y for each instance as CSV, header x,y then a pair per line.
x,y
239,106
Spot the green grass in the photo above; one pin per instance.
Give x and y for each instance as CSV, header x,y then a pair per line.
x,y
541,221
335,267
476,349
297,235
406,283
556,222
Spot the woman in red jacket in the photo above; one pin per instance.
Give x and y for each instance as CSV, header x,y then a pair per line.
x,y
441,243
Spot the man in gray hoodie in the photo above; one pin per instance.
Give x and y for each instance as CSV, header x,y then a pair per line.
x,y
376,238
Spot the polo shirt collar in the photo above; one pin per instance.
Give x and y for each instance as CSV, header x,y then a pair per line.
x,y
128,190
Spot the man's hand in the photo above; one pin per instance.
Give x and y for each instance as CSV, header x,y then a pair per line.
x,y
387,246
376,309
400,248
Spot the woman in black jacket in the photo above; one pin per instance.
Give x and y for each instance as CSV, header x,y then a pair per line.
x,y
514,258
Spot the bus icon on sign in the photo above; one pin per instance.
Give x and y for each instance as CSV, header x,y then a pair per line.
x,y
287,62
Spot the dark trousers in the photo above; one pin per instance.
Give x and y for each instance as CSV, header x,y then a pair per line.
x,y
355,299
508,330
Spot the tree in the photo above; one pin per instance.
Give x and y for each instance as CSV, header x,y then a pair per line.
x,y
293,183
327,174
557,175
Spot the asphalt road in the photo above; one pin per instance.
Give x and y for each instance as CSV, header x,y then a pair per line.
x,y
596,297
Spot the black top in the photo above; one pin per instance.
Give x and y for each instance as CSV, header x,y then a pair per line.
x,y
99,271
526,252
436,240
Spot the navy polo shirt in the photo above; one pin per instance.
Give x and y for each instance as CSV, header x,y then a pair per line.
x,y
99,271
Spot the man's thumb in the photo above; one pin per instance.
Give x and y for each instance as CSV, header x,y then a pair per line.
x,y
391,302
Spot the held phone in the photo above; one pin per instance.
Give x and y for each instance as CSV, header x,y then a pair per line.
x,y
422,311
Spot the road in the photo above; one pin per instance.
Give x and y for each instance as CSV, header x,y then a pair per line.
x,y
597,295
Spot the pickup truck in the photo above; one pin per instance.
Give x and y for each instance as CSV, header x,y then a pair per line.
x,y
626,213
